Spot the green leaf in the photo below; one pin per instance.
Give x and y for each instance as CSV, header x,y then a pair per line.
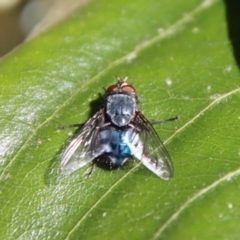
x,y
178,56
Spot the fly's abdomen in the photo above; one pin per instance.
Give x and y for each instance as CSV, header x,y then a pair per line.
x,y
116,145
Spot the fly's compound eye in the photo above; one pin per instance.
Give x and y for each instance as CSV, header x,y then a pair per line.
x,y
128,89
122,88
112,88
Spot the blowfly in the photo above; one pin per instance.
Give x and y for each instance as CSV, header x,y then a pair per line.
x,y
118,131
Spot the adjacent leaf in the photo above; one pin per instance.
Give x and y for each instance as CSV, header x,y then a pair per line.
x,y
178,56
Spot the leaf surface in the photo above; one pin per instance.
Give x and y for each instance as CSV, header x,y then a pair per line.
x,y
178,57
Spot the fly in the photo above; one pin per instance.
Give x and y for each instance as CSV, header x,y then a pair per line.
x,y
118,131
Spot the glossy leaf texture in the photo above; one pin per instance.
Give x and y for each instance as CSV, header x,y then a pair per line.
x,y
179,58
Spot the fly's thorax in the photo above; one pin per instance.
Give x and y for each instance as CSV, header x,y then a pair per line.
x,y
121,108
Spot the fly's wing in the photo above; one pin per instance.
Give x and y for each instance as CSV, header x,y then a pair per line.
x,y
84,147
150,149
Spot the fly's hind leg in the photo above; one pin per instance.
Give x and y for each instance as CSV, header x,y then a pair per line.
x,y
89,172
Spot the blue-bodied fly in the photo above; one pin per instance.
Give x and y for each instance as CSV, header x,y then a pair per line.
x,y
118,131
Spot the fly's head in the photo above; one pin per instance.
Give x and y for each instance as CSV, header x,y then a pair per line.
x,y
121,103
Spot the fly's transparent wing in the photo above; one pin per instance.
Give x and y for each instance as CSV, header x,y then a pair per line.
x,y
84,147
149,149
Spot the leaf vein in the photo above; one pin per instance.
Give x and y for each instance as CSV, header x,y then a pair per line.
x,y
217,100
193,198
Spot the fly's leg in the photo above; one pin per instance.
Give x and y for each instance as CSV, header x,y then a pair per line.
x,y
89,172
165,120
77,125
